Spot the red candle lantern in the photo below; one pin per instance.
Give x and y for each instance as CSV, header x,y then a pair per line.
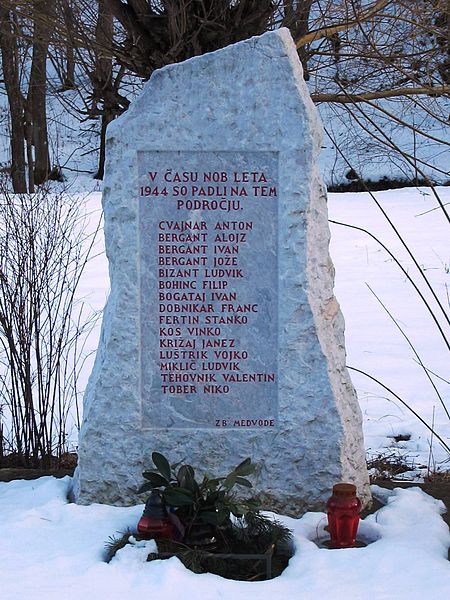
x,y
155,522
343,509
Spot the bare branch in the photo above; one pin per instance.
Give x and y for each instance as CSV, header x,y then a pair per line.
x,y
327,32
443,90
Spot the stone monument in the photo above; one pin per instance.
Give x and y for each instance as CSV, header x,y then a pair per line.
x,y
221,337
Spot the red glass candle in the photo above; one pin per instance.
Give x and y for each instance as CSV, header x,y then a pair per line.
x,y
155,522
343,509
155,528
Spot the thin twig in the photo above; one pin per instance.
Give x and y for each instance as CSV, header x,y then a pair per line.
x,y
444,445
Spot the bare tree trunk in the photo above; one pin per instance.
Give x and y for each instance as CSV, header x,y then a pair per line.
x,y
443,40
28,128
37,89
69,79
297,19
106,120
9,52
102,76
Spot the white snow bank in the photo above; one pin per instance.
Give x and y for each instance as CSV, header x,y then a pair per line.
x,y
374,342
53,550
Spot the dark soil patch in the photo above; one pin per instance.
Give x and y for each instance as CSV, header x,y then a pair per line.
x,y
12,474
13,466
16,466
385,183
233,552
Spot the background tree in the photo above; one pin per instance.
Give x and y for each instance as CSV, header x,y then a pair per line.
x,y
377,66
11,78
107,101
24,41
67,10
43,12
160,33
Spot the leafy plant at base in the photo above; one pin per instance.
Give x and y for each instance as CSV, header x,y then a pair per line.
x,y
210,501
224,534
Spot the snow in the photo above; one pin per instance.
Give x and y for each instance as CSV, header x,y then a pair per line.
x,y
347,143
51,549
374,342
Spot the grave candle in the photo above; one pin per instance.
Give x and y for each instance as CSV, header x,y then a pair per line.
x,y
343,509
155,522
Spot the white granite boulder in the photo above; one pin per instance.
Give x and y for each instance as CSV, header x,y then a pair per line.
x,y
215,211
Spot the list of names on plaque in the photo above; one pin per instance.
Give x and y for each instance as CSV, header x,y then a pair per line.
x,y
209,297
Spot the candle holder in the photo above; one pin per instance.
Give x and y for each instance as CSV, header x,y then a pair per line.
x,y
343,510
155,522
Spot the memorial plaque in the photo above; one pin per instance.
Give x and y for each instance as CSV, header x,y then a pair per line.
x,y
221,338
208,252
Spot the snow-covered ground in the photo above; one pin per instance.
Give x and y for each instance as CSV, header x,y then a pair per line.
x,y
346,143
52,550
375,344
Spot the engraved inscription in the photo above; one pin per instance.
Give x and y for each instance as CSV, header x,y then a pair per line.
x,y
209,297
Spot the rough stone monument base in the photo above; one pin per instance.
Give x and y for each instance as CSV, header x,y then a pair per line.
x,y
215,162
